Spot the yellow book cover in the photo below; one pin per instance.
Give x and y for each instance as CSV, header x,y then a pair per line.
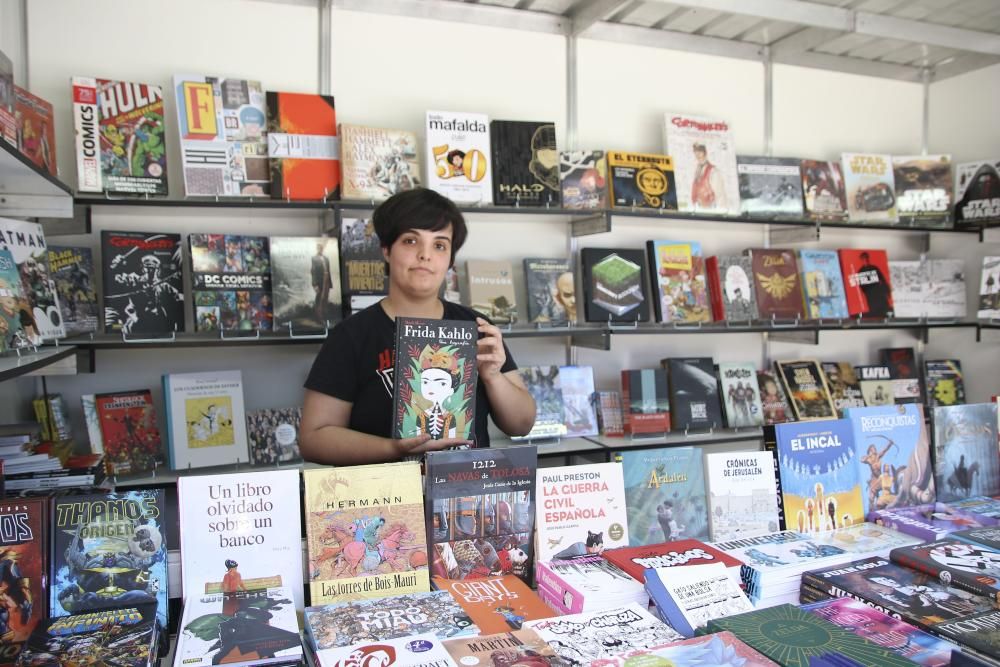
x,y
365,530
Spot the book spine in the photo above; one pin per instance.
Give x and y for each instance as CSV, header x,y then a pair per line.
x,y
923,531
771,445
86,128
568,597
652,258
667,607
956,578
714,281
627,401
171,444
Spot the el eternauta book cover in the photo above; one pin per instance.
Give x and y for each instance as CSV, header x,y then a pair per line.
x,y
364,526
551,287
704,155
143,283
739,395
26,243
206,420
614,280
583,178
362,265
378,162
23,560
777,283
273,435
435,376
871,190
677,270
966,457
131,437
694,393
231,281
822,284
305,282
867,282
844,386
302,146
742,496
923,189
458,156
641,180
72,270
806,388
769,186
664,494
730,278
824,195
976,200
525,163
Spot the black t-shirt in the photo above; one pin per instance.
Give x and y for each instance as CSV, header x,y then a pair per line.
x,y
356,362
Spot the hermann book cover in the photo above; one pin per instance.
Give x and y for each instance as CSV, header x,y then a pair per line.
x,y
871,190
867,282
677,270
824,195
143,283
434,390
231,281
491,289
694,394
305,282
362,266
777,283
805,385
129,432
822,285
944,381
770,187
742,495
923,190
844,386
458,156
125,637
641,180
273,435
731,288
583,178
704,155
36,129
966,456
977,201
302,146
206,419
645,401
26,243
525,162
971,567
72,270
773,399
614,280
480,512
551,287
739,395
377,162
496,603
518,647
364,532
23,559
664,494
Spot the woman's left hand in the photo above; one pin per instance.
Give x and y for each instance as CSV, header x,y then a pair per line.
x,y
490,356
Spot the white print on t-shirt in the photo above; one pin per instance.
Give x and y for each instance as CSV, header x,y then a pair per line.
x,y
386,375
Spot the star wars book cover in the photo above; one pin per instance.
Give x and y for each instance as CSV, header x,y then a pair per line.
x,y
108,550
945,383
16,318
72,270
517,647
824,193
923,190
491,289
977,193
458,156
614,281
128,428
36,130
677,270
543,383
694,394
979,632
645,401
704,155
738,390
23,572
822,285
870,186
26,243
302,146
121,637
731,288
807,390
966,458
525,162
497,603
770,187
970,567
742,494
143,287
641,181
120,137
231,282
273,435
664,494
305,282
867,284
551,287
777,283
583,178
362,265
378,162
844,386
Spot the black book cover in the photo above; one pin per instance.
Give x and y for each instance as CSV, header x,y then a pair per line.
x,y
980,632
231,281
361,263
971,567
988,537
904,372
525,163
143,288
694,394
72,270
614,283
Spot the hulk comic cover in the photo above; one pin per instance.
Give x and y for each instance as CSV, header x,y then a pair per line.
x,y
22,573
126,637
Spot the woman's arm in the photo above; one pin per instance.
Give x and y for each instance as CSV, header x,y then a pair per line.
x,y
512,406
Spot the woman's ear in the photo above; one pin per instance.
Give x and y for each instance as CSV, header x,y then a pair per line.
x,y
385,253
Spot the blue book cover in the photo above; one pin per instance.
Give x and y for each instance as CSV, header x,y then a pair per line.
x,y
819,475
894,456
822,284
664,494
966,457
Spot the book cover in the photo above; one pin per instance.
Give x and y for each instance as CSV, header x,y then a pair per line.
x,y
525,161
496,604
930,522
987,537
120,137
970,567
978,632
305,282
641,180
731,288
966,456
870,187
239,532
16,318
8,122
23,560
923,190
479,512
866,282
928,288
822,285
664,494
72,269
93,421
378,162
585,583
989,289
819,475
636,560
450,291
824,192
491,289
273,435
893,453
742,495
128,429
434,390
645,401
545,386
143,287
364,529
231,282
945,383
362,265
551,287
704,155
977,201
718,648
844,386
694,393
613,285
902,365
577,384
770,187
520,647
422,650
688,597
108,550
609,413
458,156
739,395
773,399
206,419
581,510
126,637
777,283
583,179
778,556
36,129
805,385
223,129
26,243
302,143
977,505
677,270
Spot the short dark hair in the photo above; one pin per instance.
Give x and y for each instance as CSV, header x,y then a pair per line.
x,y
419,208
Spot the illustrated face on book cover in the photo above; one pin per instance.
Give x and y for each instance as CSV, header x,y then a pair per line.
x,y
437,402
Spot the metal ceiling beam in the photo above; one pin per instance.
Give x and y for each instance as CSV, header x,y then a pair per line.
x,y
961,64
461,12
677,41
802,41
851,65
791,11
590,12
934,34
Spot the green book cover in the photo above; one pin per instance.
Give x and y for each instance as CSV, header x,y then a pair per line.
x,y
790,636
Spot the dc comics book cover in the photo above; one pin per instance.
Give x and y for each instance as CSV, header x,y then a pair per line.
x,y
231,282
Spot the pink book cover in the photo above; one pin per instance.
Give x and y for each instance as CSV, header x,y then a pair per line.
x,y
556,593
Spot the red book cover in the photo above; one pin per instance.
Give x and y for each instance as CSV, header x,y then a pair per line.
x,y
128,427
776,282
36,131
866,282
496,604
23,560
302,146
714,288
636,560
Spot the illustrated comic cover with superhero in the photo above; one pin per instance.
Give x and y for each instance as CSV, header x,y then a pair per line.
x,y
108,550
72,270
19,329
231,281
23,573
302,146
496,604
36,131
520,647
143,286
131,438
26,243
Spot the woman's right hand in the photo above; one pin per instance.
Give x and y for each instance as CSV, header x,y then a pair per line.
x,y
424,443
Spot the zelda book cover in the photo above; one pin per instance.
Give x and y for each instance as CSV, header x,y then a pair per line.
x,y
867,282
645,401
435,377
131,437
377,162
923,190
108,550
458,156
966,457
302,146
844,386
583,178
120,137
273,435
770,187
807,390
143,283
738,389
16,318
777,283
119,637
636,560
26,243
796,638
206,419
720,648
870,187
23,559
517,647
305,283
742,494
664,494
496,603
551,287
731,288
364,531
362,266
641,181
543,383
231,281
480,512
72,270
36,130
773,399
824,194
980,632
977,197
677,270
694,394
525,162
422,650
704,155
491,289
970,567
258,625
614,281
822,285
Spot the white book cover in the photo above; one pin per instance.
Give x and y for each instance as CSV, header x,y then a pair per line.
x,y
989,289
242,530
741,395
423,650
93,423
742,495
704,156
26,243
458,156
206,421
870,186
577,384
928,288
580,510
86,128
689,596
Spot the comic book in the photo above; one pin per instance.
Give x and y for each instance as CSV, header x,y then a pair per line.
x,y
8,121
614,280
577,385
36,130
273,435
923,189
26,243
586,583
72,269
362,265
977,199
124,637
458,156
422,650
664,494
645,401
806,387
688,597
378,162
867,282
551,289
777,283
108,550
610,419
779,556
231,282
870,188
928,288
978,632
694,393
824,194
23,562
303,149
945,385
491,289
128,429
496,603
966,457
977,505
704,156
525,162
16,319
143,286
770,187
305,282
742,494
120,137
844,386
641,181
520,647
206,419
480,511
694,651
739,395
677,270
223,129
970,567
731,288
930,522
634,561
822,285
773,399
987,537
989,289
544,385
904,373
583,179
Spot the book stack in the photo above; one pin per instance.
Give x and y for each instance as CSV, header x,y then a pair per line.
x,y
635,561
930,522
586,583
966,565
520,647
688,597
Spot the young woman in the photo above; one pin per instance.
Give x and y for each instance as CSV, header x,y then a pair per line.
x,y
347,414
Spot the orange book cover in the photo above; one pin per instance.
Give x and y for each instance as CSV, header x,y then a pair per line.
x,y
496,604
303,146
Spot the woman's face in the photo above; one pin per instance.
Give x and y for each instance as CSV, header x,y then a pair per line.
x,y
419,260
